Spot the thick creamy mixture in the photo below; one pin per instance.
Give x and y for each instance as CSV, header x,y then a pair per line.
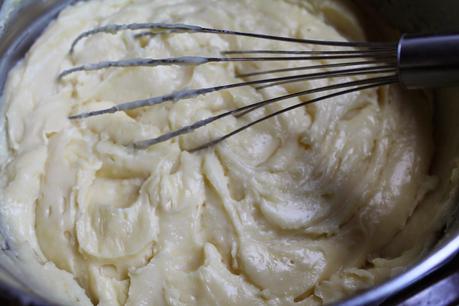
x,y
304,209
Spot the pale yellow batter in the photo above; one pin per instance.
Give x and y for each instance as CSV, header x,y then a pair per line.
x,y
304,209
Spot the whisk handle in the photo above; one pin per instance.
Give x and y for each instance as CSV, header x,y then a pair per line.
x,y
428,61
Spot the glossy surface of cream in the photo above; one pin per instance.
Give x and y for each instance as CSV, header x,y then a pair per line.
x,y
303,209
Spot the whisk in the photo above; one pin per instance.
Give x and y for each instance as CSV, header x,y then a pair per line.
x,y
416,61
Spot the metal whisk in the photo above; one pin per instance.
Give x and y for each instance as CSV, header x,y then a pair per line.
x,y
415,62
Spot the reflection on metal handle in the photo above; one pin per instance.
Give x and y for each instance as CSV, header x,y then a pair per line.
x,y
429,61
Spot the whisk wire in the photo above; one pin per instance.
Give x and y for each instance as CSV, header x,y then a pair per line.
x,y
334,74
185,28
198,60
239,112
239,130
192,93
362,53
322,66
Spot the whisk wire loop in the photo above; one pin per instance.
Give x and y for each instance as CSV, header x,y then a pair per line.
x,y
353,59
185,28
239,112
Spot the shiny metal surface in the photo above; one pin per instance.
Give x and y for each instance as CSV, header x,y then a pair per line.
x,y
428,61
28,22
